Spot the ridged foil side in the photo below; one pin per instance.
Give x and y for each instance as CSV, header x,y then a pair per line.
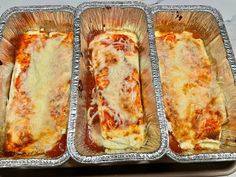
x,y
75,83
206,157
33,162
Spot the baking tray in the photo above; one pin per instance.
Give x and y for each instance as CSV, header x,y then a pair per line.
x,y
77,122
157,168
160,167
180,18
22,161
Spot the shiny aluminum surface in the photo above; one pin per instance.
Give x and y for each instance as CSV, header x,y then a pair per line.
x,y
206,157
33,162
74,92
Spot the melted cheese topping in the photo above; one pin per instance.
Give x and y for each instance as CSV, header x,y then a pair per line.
x,y
37,111
115,66
194,101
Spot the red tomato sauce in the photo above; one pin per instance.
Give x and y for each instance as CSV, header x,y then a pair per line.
x,y
174,145
89,85
59,148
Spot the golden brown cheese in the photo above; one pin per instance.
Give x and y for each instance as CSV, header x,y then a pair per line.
x,y
37,110
194,102
115,66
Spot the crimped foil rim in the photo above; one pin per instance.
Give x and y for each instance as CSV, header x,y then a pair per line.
x,y
74,93
36,162
206,157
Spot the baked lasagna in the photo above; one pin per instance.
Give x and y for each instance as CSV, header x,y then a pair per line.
x,y
115,113
193,99
37,111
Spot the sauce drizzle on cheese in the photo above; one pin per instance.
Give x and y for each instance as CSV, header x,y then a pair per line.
x,y
37,111
114,63
194,102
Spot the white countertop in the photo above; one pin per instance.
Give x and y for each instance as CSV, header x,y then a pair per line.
x,y
226,7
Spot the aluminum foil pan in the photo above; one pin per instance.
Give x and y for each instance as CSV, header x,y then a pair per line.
x,y
35,161
77,119
207,22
